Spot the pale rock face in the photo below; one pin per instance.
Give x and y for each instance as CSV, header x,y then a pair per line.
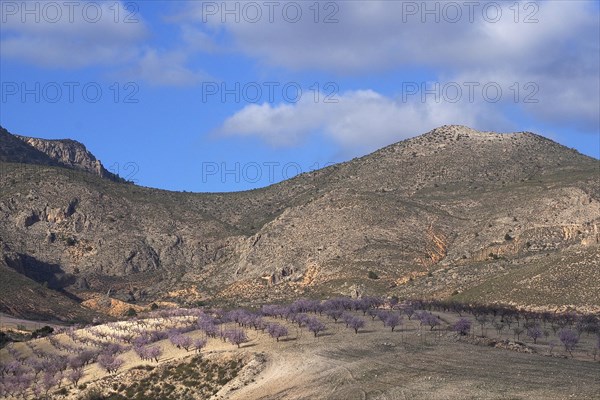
x,y
69,153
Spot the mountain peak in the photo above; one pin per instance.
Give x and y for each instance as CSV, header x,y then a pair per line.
x,y
453,132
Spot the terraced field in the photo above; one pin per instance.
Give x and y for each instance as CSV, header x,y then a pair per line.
x,y
412,362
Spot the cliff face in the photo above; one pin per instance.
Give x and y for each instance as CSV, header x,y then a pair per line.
x,y
14,150
58,153
454,212
69,153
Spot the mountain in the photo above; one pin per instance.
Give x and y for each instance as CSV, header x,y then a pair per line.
x,y
13,149
63,153
454,213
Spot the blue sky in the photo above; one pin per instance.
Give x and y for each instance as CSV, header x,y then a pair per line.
x,y
220,96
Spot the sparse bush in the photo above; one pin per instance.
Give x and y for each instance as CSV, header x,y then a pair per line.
x,y
373,275
42,332
93,394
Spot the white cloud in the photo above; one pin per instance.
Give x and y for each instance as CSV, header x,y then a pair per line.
x,y
66,37
382,34
106,34
559,52
164,68
361,121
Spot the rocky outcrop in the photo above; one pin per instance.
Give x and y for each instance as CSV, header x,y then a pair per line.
x,y
70,153
14,150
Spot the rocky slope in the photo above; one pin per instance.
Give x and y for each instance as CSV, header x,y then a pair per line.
x,y
444,214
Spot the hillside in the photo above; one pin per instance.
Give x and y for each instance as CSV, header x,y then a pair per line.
x,y
454,212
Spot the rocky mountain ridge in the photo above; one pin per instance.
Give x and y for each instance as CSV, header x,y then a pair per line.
x,y
444,214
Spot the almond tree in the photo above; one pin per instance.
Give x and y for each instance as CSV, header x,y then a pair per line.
x,y
236,336
315,326
75,375
347,318
569,339
597,347
499,325
154,353
535,332
181,341
334,313
109,362
356,323
483,320
373,313
87,356
431,320
199,344
518,330
392,320
462,326
49,381
409,311
300,319
276,331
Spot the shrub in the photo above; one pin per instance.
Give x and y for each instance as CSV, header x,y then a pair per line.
x,y
373,275
42,332
94,394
